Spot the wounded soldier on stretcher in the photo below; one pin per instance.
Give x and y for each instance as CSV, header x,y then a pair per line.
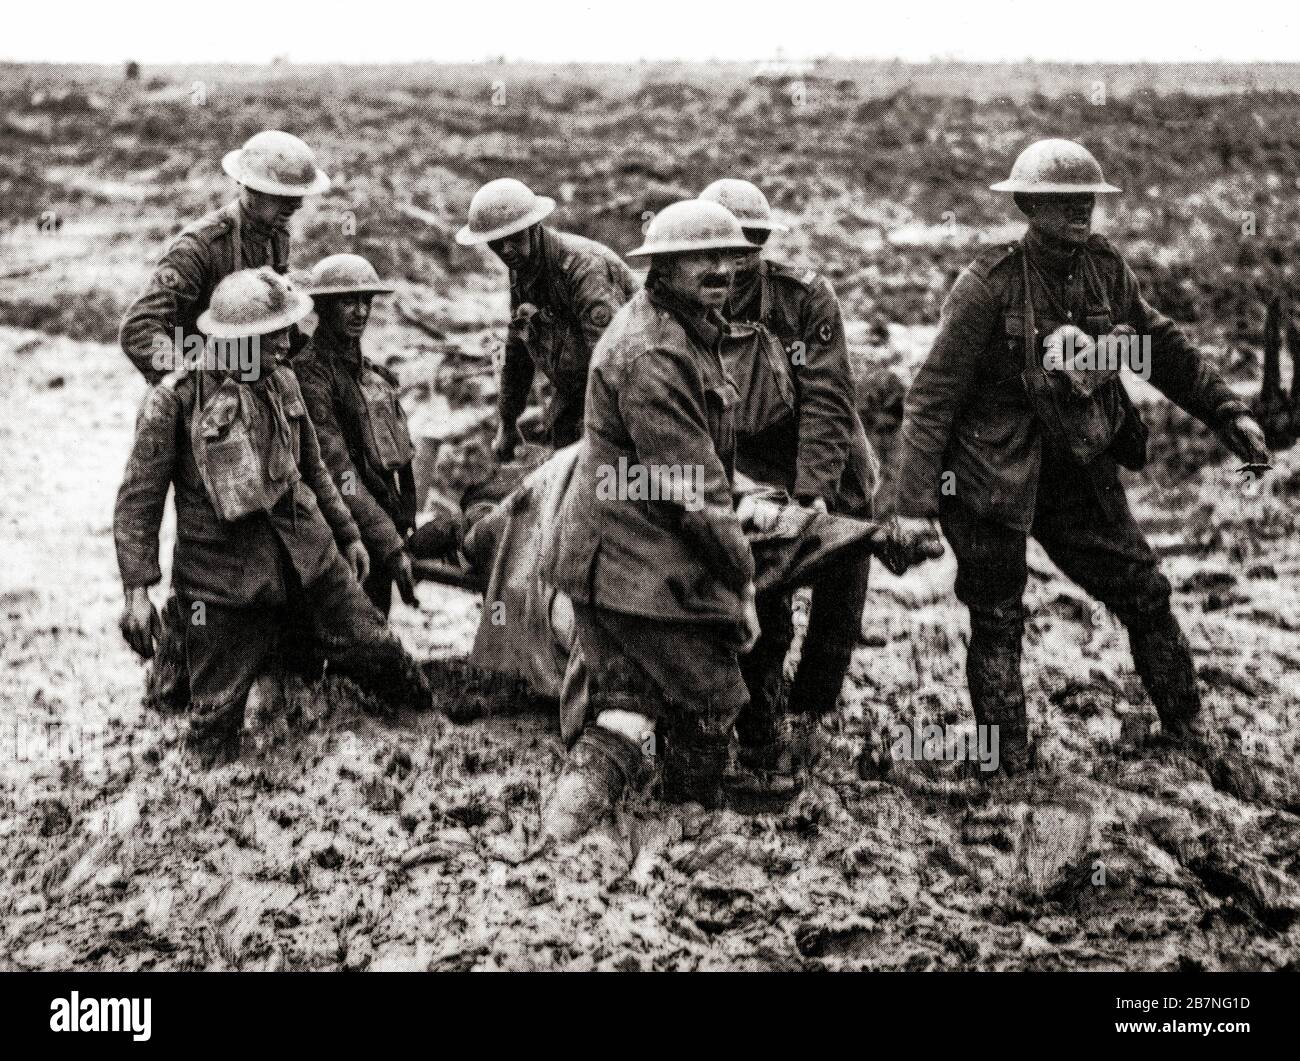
x,y
526,630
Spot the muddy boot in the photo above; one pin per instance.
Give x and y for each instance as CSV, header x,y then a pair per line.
x,y
1163,660
215,734
388,672
694,763
764,766
997,693
600,768
805,743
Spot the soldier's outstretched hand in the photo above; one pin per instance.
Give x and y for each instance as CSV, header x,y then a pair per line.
x,y
358,559
139,622
906,541
399,567
758,514
1245,438
505,443
751,630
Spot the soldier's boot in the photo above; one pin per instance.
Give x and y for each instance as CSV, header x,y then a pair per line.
x,y
997,691
1163,660
819,679
215,733
763,765
601,767
766,760
382,667
695,759
167,687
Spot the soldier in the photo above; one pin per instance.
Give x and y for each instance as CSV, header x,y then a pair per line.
x,y
661,578
274,170
564,291
797,428
262,536
359,421
998,443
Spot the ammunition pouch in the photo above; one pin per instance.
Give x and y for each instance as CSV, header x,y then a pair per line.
x,y
246,459
1082,425
387,437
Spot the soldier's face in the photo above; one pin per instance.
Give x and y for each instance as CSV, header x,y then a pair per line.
x,y
702,277
273,350
747,264
1067,218
514,249
344,314
274,210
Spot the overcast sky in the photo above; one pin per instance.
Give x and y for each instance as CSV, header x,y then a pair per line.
x,y
372,31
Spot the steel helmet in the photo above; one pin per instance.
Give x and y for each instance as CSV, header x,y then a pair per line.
x,y
1055,166
745,200
253,302
277,163
692,225
500,208
346,274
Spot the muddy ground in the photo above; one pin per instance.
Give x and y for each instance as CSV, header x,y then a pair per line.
x,y
345,841
340,841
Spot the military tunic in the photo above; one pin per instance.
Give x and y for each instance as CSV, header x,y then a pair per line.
x,y
205,253
241,583
820,450
657,582
967,412
576,285
968,415
382,502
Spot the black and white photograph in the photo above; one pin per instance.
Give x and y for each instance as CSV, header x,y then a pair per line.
x,y
759,488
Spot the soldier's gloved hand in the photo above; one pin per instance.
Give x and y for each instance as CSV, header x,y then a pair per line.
x,y
399,567
910,540
505,443
139,622
757,513
520,323
358,559
751,629
1245,438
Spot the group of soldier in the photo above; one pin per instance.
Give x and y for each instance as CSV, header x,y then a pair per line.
x,y
295,500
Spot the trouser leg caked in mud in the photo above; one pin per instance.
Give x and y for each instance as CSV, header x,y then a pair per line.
x,y
168,686
1105,552
683,676
232,646
776,732
1102,549
834,627
379,586
760,727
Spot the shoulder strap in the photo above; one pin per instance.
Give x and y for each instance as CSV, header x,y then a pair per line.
x,y
237,261
1030,328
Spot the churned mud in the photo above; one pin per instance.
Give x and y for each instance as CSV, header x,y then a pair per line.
x,y
342,840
